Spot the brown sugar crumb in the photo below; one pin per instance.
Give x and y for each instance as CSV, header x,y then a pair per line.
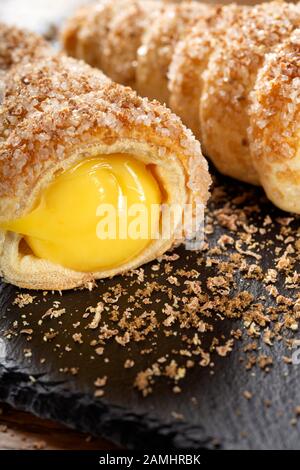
x,y
173,280
271,276
77,337
283,263
193,287
50,335
237,334
225,240
143,380
173,371
227,220
226,349
128,364
287,360
218,283
250,346
238,246
272,290
99,351
264,361
251,361
23,299
26,331
54,313
267,337
248,395
123,340
27,352
100,381
97,315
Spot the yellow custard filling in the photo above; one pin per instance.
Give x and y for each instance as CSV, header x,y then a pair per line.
x,y
80,220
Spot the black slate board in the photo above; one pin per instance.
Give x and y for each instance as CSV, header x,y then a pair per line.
x,y
211,411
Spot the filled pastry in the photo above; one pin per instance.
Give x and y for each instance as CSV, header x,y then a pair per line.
x,y
275,121
72,143
210,64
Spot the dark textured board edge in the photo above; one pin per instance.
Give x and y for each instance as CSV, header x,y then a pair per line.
x,y
124,428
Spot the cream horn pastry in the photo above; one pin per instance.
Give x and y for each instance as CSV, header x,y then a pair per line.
x,y
225,103
73,142
207,72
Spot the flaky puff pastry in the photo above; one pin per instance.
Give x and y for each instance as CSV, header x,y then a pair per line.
x,y
107,35
275,124
191,58
56,111
229,79
158,45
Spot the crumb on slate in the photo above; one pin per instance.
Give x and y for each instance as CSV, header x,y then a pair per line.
x,y
182,303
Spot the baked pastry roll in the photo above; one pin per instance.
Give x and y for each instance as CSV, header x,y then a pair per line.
x,y
207,71
73,141
274,124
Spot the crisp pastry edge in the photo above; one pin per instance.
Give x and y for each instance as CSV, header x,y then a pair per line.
x,y
27,271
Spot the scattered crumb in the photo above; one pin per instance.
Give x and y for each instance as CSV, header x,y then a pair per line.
x,y
23,299
248,395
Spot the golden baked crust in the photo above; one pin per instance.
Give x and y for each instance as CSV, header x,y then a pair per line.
x,y
20,46
190,60
159,41
275,124
108,34
211,72
56,111
229,79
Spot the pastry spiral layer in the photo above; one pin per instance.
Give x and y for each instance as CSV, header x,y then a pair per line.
x,y
208,63
56,112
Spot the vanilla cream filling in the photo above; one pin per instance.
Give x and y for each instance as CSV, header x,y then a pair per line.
x,y
98,214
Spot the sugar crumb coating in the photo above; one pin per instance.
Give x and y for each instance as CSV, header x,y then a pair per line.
x,y
229,79
275,124
158,44
17,45
108,34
